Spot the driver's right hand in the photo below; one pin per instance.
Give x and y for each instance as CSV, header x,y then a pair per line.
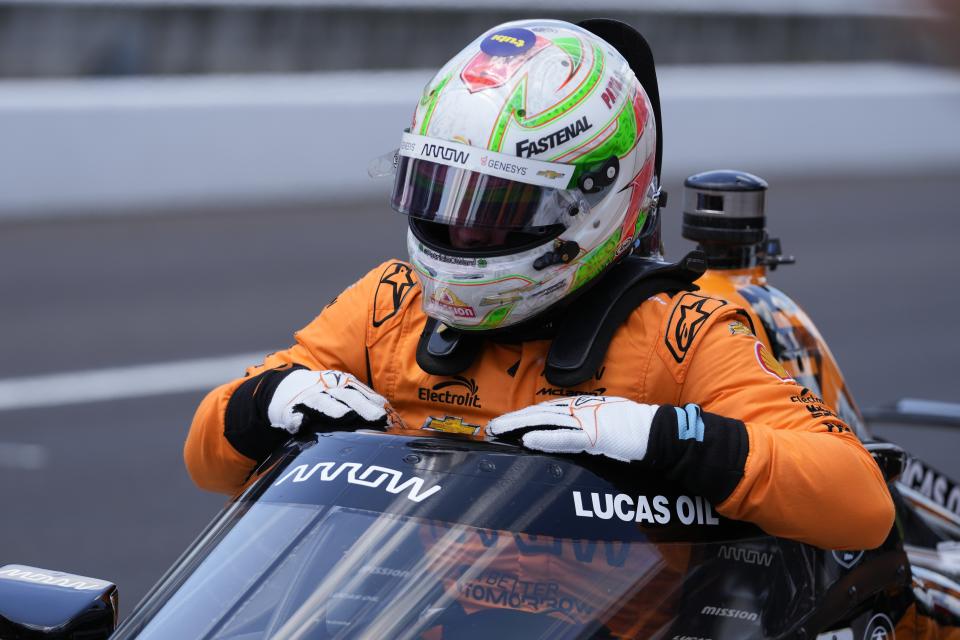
x,y
326,400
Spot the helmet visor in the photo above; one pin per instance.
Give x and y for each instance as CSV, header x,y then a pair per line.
x,y
454,184
437,193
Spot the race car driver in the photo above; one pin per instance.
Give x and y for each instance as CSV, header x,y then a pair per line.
x,y
528,174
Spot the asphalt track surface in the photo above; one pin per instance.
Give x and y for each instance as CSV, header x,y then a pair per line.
x,y
108,496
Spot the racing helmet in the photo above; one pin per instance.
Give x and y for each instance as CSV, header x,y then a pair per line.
x,y
529,168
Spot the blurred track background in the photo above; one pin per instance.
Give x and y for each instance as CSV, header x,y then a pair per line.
x,y
183,184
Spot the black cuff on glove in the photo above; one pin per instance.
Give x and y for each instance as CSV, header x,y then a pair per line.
x,y
246,425
707,457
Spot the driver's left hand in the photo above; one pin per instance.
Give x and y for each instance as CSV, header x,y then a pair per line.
x,y
602,425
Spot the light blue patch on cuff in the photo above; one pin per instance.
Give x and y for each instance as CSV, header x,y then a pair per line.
x,y
689,423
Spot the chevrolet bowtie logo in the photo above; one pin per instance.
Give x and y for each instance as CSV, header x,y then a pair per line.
x,y
550,174
451,424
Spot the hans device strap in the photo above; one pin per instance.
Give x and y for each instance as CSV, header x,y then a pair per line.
x,y
582,338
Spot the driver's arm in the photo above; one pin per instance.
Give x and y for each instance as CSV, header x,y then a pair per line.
x,y
806,475
229,435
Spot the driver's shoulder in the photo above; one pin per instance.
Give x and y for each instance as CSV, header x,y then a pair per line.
x,y
675,325
387,292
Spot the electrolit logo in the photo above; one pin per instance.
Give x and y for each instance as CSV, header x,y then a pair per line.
x,y
509,42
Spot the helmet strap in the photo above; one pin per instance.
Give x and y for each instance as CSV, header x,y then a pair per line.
x,y
443,351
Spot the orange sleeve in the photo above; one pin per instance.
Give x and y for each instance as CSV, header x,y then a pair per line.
x,y
806,477
336,339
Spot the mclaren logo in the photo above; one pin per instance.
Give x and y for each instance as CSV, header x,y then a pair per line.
x,y
569,393
356,473
458,391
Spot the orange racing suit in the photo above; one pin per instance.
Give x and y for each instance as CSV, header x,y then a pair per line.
x,y
804,475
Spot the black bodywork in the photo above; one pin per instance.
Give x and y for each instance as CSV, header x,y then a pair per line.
x,y
733,580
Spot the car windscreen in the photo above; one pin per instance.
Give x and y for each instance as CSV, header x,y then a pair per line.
x,y
344,542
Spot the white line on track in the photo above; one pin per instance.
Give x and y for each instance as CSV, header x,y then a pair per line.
x,y
96,385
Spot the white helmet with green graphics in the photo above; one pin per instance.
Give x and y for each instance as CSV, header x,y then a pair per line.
x,y
529,168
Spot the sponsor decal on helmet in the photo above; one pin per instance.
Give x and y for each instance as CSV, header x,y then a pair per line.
x,y
555,287
656,510
509,167
771,365
686,320
450,424
447,299
449,259
396,282
508,42
548,173
505,297
442,152
466,396
501,56
527,148
612,92
555,175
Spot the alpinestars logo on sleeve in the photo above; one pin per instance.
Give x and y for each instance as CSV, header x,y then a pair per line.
x,y
396,282
686,320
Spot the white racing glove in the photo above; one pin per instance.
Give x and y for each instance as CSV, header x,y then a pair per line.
x,y
329,398
614,427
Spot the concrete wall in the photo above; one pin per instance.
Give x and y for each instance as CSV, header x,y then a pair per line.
x,y
147,37
119,146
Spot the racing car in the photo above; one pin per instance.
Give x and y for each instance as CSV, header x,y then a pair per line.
x,y
424,534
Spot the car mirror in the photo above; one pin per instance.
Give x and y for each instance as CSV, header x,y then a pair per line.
x,y
38,603
912,411
890,457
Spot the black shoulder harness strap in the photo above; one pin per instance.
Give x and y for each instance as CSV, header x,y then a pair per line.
x,y
583,333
